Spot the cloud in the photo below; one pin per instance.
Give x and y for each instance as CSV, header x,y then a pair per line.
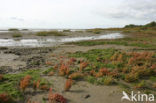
x,y
131,9
75,13
17,19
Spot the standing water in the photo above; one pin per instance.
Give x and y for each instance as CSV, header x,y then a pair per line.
x,y
45,42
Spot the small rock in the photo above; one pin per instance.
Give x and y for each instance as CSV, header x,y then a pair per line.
x,y
87,96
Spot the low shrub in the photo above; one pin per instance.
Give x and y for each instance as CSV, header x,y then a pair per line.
x,y
131,77
140,85
83,65
76,76
107,80
91,79
25,82
68,84
104,71
44,87
154,85
13,29
55,98
36,84
67,30
5,98
96,32
1,77
51,73
64,69
16,35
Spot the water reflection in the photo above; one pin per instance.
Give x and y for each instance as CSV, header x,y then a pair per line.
x,y
54,41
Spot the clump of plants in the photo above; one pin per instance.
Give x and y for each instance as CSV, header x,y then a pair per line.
x,y
131,77
154,85
25,82
1,77
13,29
68,84
64,69
16,35
106,80
47,71
115,64
83,65
14,85
95,31
36,84
140,85
5,98
66,30
76,76
54,97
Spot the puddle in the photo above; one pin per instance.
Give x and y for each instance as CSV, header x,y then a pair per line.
x,y
54,41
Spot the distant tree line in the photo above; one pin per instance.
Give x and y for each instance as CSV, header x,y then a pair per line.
x,y
151,24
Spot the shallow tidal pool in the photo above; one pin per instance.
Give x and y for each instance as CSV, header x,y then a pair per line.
x,y
53,41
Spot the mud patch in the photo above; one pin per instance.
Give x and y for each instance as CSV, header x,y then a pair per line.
x,y
27,51
35,61
5,69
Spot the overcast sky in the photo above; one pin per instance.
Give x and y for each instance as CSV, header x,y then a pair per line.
x,y
75,13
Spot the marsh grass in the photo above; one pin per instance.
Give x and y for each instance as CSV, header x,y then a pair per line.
x,y
67,30
50,33
91,79
137,36
141,31
141,85
132,68
143,42
16,35
13,29
48,70
95,31
11,82
106,80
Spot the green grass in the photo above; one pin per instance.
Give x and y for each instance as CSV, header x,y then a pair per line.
x,y
93,55
10,83
106,80
153,78
50,33
48,70
136,42
91,79
93,43
141,85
